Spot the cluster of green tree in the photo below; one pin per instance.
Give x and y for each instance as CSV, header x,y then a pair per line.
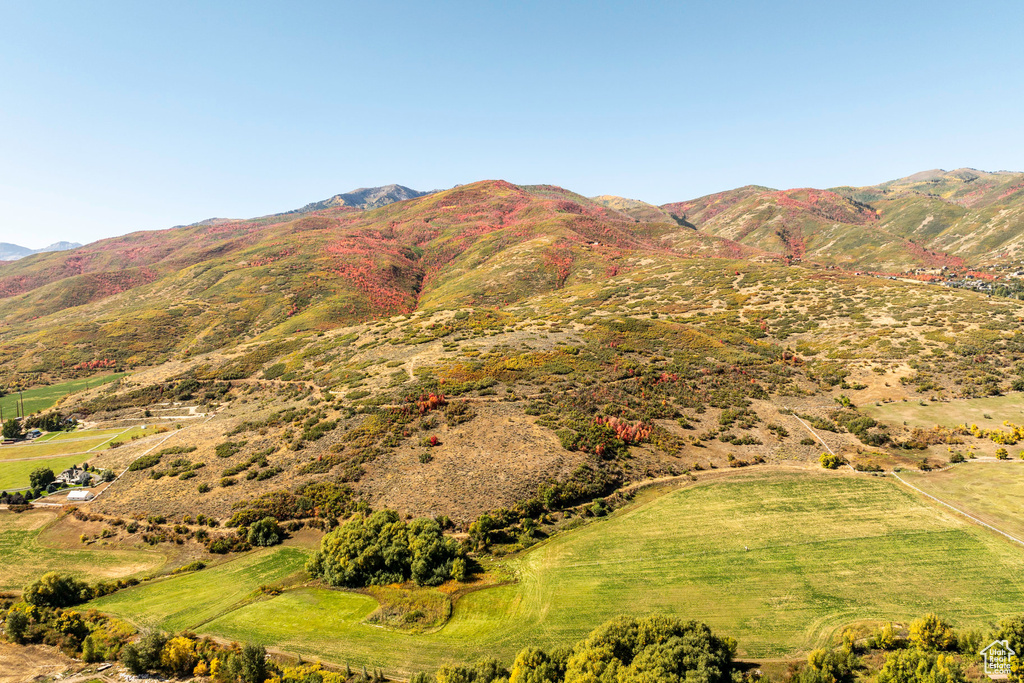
x,y
12,429
186,656
50,422
55,589
665,649
930,652
623,650
17,501
1013,289
382,549
90,636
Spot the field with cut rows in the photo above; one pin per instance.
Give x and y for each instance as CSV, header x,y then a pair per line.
x,y
780,560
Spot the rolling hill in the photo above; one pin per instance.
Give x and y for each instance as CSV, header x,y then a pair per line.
x,y
956,219
533,291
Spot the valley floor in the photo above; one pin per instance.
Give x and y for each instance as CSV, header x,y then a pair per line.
x,y
778,559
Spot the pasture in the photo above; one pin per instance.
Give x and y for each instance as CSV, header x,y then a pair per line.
x,y
58,451
991,491
190,600
951,413
29,548
41,398
779,560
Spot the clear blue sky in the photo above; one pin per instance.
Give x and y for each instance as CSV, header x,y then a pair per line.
x,y
121,116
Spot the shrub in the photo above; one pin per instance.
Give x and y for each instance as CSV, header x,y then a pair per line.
x,y
828,666
265,532
16,624
228,448
274,371
11,429
918,666
932,633
145,462
830,461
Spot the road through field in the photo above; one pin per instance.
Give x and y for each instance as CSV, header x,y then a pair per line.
x,y
924,493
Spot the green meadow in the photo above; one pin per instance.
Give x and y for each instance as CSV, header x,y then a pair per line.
x,y
58,452
780,561
15,475
63,444
42,398
987,413
190,600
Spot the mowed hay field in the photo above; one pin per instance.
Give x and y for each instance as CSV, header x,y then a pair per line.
x,y
42,398
951,413
29,548
190,600
779,560
991,491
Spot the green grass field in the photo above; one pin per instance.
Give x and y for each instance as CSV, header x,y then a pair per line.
x,y
38,449
951,413
991,491
14,475
26,553
778,560
191,600
42,398
65,449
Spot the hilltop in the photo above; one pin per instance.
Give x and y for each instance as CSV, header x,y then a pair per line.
x,y
365,198
956,219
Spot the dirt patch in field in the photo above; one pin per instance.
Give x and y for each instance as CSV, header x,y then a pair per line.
x,y
494,460
22,663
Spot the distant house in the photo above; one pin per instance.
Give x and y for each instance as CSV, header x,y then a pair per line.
x,y
73,476
80,495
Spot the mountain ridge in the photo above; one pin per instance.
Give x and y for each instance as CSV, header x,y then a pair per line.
x,y
365,198
197,288
13,252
